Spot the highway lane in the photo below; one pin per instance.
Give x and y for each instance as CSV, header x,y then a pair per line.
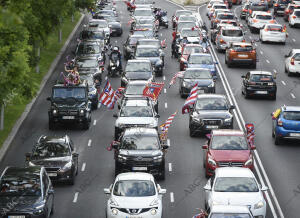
x,y
185,174
281,162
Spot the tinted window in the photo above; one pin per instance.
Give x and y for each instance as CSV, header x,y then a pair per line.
x,y
139,142
64,93
134,188
51,149
261,78
235,184
92,35
291,115
232,33
211,104
98,24
227,142
226,16
297,13
264,17
136,111
241,48
138,67
84,49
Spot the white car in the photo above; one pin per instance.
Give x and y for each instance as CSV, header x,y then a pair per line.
x,y
100,25
192,35
273,33
209,5
143,13
259,19
134,195
292,62
235,186
230,211
294,18
227,35
216,6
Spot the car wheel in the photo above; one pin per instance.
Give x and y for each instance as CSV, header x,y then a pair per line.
x,y
117,169
72,180
273,133
254,65
192,133
162,174
246,94
86,124
285,70
289,73
277,140
229,65
273,97
226,62
52,209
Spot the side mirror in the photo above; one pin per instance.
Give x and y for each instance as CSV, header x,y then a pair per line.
x,y
164,147
75,154
286,55
216,62
157,116
27,156
162,191
115,144
162,54
115,115
207,187
106,191
243,77
232,107
48,98
204,146
264,188
253,147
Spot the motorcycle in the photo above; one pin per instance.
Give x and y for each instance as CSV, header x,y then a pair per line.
x,y
114,66
163,19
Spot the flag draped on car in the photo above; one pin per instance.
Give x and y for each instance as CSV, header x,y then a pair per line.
x,y
152,90
191,99
108,97
173,80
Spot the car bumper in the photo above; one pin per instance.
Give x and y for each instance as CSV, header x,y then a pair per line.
x,y
186,91
274,39
68,119
294,68
259,213
26,215
282,132
59,176
141,166
210,169
295,22
203,128
242,61
258,26
261,92
121,214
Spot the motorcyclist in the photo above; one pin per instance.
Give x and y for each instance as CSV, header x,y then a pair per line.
x,y
116,50
185,40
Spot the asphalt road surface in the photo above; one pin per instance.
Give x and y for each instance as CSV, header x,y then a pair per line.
x,y
185,173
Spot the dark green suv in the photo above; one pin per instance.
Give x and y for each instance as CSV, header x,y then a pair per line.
x,y
70,104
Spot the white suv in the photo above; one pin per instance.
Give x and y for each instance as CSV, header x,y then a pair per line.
x,y
259,19
294,18
227,35
292,62
134,195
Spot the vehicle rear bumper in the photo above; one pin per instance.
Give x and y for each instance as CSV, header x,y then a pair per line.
x,y
242,61
282,132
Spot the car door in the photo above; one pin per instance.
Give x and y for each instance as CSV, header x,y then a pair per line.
x,y
48,195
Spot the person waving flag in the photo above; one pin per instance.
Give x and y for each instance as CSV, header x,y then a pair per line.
x,y
191,99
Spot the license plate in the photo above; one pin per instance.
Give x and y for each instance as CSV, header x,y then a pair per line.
x,y
212,127
139,168
201,91
242,56
16,216
68,117
52,174
295,134
261,92
134,217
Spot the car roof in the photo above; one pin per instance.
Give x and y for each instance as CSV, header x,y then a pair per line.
x,y
138,61
296,50
233,172
136,102
135,176
200,54
146,46
229,209
211,96
140,130
234,132
258,72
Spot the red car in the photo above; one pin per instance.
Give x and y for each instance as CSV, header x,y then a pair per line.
x,y
226,148
186,50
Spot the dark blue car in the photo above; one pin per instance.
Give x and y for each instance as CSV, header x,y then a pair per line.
x,y
202,60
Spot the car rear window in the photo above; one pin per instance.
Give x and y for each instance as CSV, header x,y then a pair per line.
x,y
242,48
234,33
297,13
261,78
274,28
264,17
291,115
226,16
296,57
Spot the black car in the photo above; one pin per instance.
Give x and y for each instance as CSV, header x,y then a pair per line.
x,y
89,65
90,49
259,83
256,6
130,45
57,155
70,104
92,35
211,111
140,149
26,192
201,76
244,11
114,25
279,6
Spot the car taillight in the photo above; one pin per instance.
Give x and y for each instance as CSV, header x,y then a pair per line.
x,y
292,61
244,10
177,18
279,122
252,83
293,16
255,21
253,51
250,11
272,21
276,5
222,41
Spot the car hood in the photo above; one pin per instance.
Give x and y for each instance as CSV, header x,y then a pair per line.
x,y
19,203
201,82
212,114
236,198
141,153
51,162
134,202
136,120
230,155
153,60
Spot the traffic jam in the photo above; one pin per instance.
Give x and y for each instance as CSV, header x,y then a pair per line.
x,y
130,58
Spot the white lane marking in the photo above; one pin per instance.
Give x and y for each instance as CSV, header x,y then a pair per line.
x,y
293,96
95,121
170,167
164,77
283,82
275,71
75,197
83,167
267,61
294,40
89,142
165,91
168,142
171,197
166,105
250,37
261,52
255,44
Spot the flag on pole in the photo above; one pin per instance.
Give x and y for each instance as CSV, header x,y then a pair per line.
x,y
152,90
173,80
191,99
165,127
163,43
250,133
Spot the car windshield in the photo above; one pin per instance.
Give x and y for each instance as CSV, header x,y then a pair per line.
x,y
144,33
143,13
149,42
197,74
192,49
133,40
220,7
230,215
190,33
228,142
147,52
232,33
144,21
211,104
50,150
187,18
87,63
136,111
231,22
134,89
68,92
102,24
138,67
264,17
187,25
261,78
134,188
235,184
140,142
226,16
291,115
242,48
21,186
84,49
200,59
143,75
92,35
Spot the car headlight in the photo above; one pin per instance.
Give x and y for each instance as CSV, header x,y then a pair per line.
x,y
111,63
93,92
113,202
249,162
212,84
114,211
157,158
212,162
31,164
66,167
121,157
259,205
54,112
228,120
81,112
153,211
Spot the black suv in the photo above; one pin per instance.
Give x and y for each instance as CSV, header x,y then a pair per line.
x,y
57,155
279,6
140,149
70,104
26,192
211,111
